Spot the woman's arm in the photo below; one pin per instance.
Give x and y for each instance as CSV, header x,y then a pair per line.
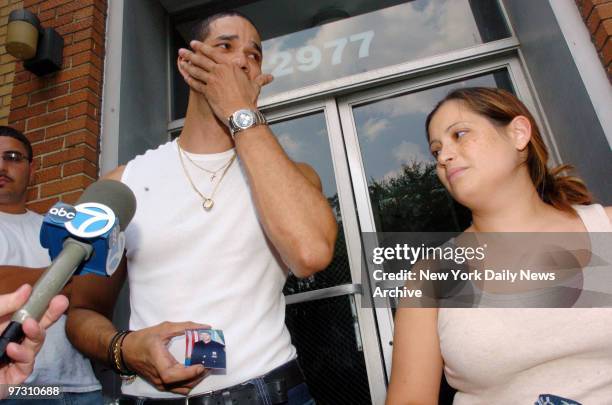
x,y
417,361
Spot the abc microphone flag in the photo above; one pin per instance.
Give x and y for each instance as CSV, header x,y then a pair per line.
x,y
86,238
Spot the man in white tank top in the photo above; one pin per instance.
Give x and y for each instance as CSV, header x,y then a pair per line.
x,y
222,214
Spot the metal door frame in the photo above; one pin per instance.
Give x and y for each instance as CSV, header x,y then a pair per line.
x,y
367,323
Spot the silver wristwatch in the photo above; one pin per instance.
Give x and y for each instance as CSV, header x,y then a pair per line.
x,y
245,119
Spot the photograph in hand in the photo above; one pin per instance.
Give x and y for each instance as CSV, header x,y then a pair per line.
x,y
206,347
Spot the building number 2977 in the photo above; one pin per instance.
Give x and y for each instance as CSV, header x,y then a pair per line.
x,y
309,57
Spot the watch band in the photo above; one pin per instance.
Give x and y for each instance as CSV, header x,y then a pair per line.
x,y
235,127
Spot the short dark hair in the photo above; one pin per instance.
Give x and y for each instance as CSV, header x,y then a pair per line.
x,y
201,30
13,133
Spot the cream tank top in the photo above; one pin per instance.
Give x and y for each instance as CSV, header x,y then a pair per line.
x,y
514,355
215,267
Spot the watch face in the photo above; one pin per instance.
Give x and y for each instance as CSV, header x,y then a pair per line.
x,y
244,118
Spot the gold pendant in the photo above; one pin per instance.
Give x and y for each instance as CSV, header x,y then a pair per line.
x,y
208,204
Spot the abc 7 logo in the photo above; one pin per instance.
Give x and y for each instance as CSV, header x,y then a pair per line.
x,y
91,220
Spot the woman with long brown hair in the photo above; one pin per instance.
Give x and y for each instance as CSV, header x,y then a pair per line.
x,y
492,159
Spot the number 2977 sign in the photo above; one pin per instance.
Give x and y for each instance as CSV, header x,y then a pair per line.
x,y
310,57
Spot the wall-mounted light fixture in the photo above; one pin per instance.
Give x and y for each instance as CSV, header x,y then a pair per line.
x,y
41,49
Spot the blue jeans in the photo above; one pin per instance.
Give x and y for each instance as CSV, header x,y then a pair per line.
x,y
69,398
298,395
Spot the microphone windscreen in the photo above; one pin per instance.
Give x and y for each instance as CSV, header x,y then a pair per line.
x,y
115,195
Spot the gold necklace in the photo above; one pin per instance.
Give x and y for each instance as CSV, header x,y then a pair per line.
x,y
207,202
212,172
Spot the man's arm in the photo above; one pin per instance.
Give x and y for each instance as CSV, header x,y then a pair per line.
x,y
292,209
14,276
91,308
89,325
145,351
295,214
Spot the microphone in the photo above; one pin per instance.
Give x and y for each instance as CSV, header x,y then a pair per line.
x,y
93,221
87,238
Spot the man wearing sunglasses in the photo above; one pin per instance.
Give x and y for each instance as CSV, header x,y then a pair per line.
x,y
57,363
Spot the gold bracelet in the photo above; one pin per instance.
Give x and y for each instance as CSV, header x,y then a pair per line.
x,y
126,373
110,354
117,354
117,363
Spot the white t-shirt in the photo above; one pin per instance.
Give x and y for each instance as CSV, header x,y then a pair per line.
x,y
214,267
58,362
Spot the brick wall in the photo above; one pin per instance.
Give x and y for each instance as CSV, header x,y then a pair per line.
x,y
60,114
597,15
7,62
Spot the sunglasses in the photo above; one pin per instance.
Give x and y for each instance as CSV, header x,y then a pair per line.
x,y
14,157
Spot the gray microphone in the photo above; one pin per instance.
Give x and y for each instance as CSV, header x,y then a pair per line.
x,y
122,202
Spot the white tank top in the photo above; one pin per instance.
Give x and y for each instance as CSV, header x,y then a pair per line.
x,y
215,267
513,355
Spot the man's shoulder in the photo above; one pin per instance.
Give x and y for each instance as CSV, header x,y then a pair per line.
x,y
115,174
148,160
20,239
34,215
153,158
29,219
161,150
35,220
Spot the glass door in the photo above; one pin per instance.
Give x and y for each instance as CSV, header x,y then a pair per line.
x,y
335,337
